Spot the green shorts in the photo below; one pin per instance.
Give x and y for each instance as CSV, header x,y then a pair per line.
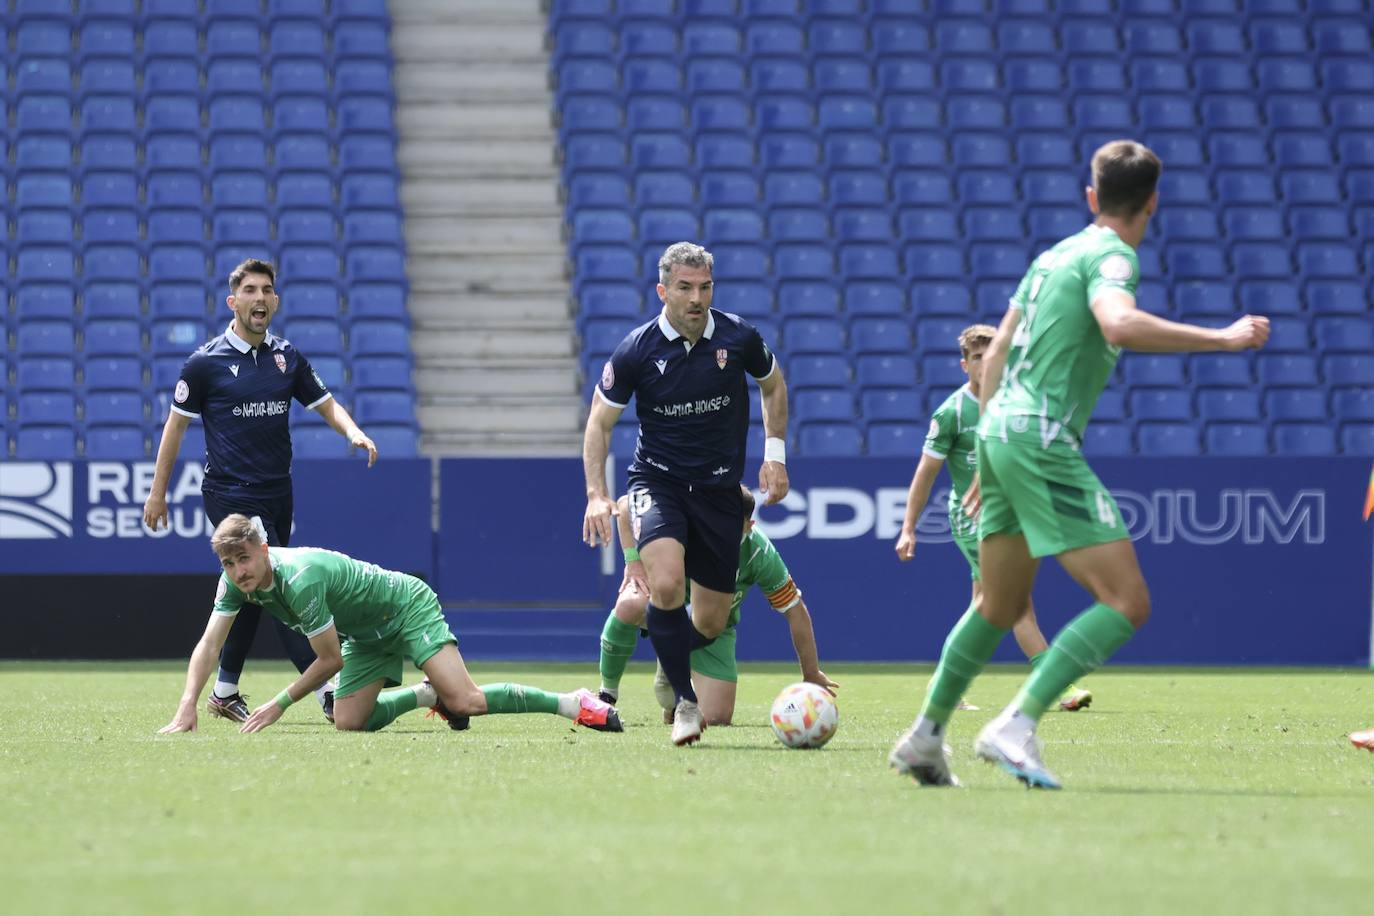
x,y
420,632
1049,495
718,659
968,546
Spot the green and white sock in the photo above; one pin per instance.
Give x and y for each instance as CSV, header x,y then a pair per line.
x,y
617,645
517,698
391,704
1083,646
967,650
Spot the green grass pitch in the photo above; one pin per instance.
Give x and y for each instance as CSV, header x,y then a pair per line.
x,y
1186,791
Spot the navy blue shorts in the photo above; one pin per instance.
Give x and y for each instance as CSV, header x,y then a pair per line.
x,y
707,521
274,513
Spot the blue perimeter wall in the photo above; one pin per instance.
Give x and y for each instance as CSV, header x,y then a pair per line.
x,y
1250,561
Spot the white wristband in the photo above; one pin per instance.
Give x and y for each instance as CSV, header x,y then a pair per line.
x,y
775,450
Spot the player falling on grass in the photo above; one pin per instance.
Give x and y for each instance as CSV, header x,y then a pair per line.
x,y
715,674
1066,325
383,618
952,439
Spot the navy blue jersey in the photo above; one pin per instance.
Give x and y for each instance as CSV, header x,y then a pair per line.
x,y
692,401
243,396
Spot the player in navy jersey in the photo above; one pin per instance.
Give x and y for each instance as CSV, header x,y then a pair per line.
x,y
240,385
686,370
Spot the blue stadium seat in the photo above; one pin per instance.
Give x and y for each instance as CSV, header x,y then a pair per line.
x,y
1160,404
1304,439
879,335
892,406
45,374
1228,404
896,440
817,372
921,188
175,337
1357,438
1107,440
177,300
49,407
384,407
843,74
930,261
793,224
928,224
1354,335
813,335
1034,74
1353,403
1167,439
1348,370
935,298
1111,405
813,300
728,189
670,189
823,404
115,443
829,440
1237,439
873,299
111,300
741,262
1048,187
378,337
114,408
885,371
45,443
747,299
1307,404
1287,370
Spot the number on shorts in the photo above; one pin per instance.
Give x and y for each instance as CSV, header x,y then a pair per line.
x,y
1105,515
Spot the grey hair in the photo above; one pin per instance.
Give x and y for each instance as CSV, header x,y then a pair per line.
x,y
688,254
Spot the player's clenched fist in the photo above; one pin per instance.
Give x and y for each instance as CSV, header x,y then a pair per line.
x,y
1247,333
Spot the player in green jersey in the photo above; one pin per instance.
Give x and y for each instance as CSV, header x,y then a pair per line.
x,y
952,438
714,672
1070,318
381,618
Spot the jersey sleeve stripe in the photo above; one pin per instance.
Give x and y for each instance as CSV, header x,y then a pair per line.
x,y
927,450
318,630
221,613
315,404
603,397
771,369
786,597
185,413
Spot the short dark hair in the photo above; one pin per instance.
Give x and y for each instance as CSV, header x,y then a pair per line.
x,y
251,266
1124,174
747,497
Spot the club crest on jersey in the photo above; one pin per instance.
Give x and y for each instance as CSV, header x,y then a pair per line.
x,y
1116,268
182,392
281,361
721,356
607,376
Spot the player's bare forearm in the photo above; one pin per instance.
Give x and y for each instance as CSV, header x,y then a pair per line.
x,y
774,402
342,422
596,445
204,658
804,642
1124,325
623,525
922,482
995,358
173,431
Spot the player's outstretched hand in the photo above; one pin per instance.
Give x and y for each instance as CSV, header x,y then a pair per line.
x,y
1246,333
773,482
906,545
155,511
181,722
360,440
262,717
596,523
973,499
820,678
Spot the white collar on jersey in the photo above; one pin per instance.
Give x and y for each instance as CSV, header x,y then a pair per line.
x,y
243,346
671,333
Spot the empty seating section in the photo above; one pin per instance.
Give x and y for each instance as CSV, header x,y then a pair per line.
x,y
872,177
150,148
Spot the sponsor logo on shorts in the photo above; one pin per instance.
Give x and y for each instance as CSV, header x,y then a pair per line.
x,y
182,391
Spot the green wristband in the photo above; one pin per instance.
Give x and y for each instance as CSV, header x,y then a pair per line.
x,y
631,554
284,700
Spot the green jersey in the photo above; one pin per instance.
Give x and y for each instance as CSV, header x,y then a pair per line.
x,y
760,564
953,439
1059,361
313,588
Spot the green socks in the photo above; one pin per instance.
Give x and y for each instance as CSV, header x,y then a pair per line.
x,y
617,645
503,698
968,648
390,705
1089,640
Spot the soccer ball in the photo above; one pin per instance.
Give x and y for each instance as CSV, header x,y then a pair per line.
x,y
804,715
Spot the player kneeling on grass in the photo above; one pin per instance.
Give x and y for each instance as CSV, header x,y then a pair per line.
x,y
382,617
714,672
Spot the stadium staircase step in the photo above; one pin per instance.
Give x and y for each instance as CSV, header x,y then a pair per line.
x,y
493,335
